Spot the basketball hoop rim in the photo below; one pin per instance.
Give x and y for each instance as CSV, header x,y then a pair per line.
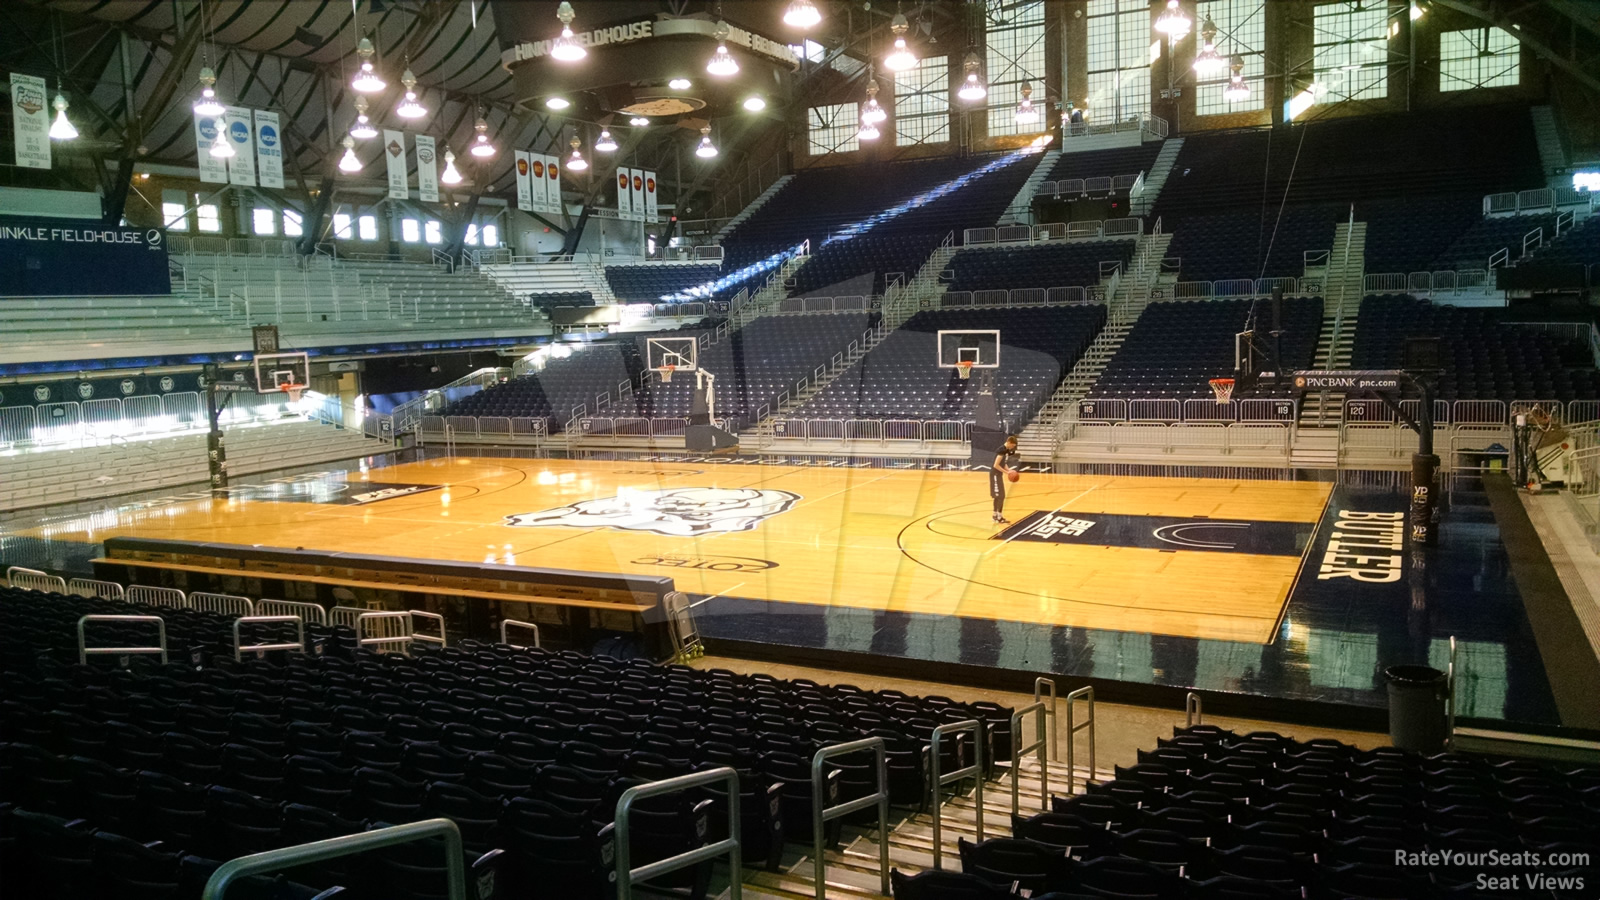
x,y
666,373
965,369
1222,388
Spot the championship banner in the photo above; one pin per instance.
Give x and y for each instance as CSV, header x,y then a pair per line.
x,y
269,149
637,189
552,183
394,153
536,182
650,209
30,116
206,131
236,131
624,196
427,169
524,171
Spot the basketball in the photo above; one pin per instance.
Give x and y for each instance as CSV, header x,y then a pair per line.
x,y
1013,476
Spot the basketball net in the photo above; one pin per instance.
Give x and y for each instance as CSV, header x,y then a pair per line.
x,y
965,368
293,390
1223,388
666,373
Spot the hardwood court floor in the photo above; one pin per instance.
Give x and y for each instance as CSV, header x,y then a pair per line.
x,y
906,540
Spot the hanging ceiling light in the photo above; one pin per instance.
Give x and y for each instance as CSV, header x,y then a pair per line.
x,y
576,162
706,150
348,162
363,129
481,147
1236,91
409,108
972,86
61,129
867,132
722,63
1027,113
367,80
900,58
639,121
801,14
566,48
558,103
1208,61
208,104
755,103
605,144
871,112
450,175
1173,22
679,84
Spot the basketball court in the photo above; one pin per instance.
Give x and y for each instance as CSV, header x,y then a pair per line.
x,y
1200,558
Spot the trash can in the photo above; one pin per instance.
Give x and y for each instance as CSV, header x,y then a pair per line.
x,y
1418,716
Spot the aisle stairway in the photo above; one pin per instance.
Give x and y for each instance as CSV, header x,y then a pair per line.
x,y
852,869
1156,177
1020,212
1037,442
757,203
1316,441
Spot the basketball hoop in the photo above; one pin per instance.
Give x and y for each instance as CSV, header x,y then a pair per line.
x,y
666,373
293,390
1223,388
965,368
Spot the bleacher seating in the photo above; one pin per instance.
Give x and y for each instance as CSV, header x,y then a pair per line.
x,y
558,390
1413,154
544,302
1578,244
1214,814
863,264
1175,347
1484,354
1405,234
527,750
1472,248
84,473
651,282
1105,163
1236,245
1074,264
900,379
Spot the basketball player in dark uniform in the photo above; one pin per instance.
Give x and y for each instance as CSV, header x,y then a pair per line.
x,y
1003,459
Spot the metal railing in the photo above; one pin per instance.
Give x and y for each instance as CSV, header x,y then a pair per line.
x,y
1039,747
1056,296
239,648
507,624
306,612
149,595
35,580
1443,282
369,621
939,780
1041,687
416,614
85,651
1250,411
226,604
879,431
88,587
627,874
348,845
1193,710
1087,695
1055,232
1234,288
821,815
1155,125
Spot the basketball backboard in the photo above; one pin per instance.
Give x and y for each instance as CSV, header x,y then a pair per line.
x,y
288,373
979,349
668,355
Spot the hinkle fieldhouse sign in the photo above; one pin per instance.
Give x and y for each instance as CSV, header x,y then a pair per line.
x,y
65,257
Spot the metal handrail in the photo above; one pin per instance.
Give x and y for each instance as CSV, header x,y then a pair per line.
x,y
85,651
1087,694
35,580
299,644
627,874
1040,746
347,845
366,617
939,781
106,590
1039,685
426,638
504,625
309,612
820,816
1450,690
1193,711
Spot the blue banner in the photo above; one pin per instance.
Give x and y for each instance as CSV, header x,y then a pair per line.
x,y
68,257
